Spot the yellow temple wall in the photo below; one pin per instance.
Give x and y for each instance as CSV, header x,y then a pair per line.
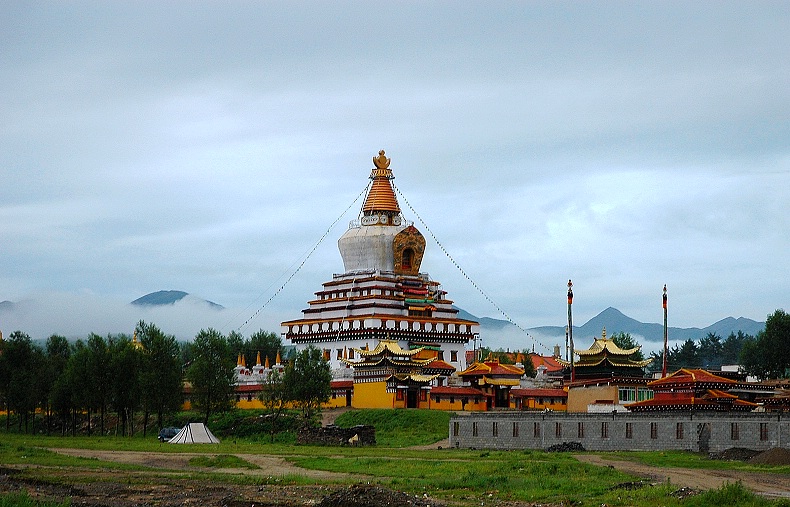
x,y
457,405
372,395
580,397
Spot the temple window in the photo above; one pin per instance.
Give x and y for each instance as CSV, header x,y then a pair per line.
x,y
536,429
455,428
626,394
339,354
735,432
515,428
653,430
351,353
440,355
474,429
604,429
454,356
629,430
408,256
763,431
558,430
495,429
581,430
644,394
327,354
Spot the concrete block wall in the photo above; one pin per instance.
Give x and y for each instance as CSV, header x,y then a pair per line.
x,y
620,432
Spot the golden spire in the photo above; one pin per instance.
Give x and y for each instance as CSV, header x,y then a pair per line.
x,y
381,197
258,359
603,333
267,365
277,361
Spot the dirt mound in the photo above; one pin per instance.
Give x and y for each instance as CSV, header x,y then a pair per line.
x,y
735,454
774,456
566,447
368,495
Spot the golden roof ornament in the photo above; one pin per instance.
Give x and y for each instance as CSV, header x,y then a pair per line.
x,y
381,162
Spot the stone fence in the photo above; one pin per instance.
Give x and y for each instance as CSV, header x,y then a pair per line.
x,y
686,431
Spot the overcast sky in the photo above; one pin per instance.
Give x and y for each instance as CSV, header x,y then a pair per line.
x,y
208,146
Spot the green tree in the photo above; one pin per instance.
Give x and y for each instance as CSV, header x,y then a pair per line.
x,y
211,373
125,374
768,354
22,384
97,377
161,376
710,349
687,356
309,381
625,341
275,396
58,352
732,346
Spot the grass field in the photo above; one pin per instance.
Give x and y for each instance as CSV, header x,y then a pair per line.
x,y
455,477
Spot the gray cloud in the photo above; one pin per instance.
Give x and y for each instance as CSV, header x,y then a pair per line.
x,y
207,148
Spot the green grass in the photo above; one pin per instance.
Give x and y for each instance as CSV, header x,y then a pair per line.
x,y
23,500
400,428
454,476
221,461
684,459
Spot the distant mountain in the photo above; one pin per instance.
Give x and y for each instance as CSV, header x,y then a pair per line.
x,y
169,297
6,306
494,331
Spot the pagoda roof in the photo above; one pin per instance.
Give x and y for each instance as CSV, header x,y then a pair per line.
x,y
614,361
390,346
499,381
386,360
413,377
438,364
489,368
604,345
689,376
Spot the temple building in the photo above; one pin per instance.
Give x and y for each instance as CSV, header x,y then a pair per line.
x,y
494,380
606,377
693,390
382,297
392,377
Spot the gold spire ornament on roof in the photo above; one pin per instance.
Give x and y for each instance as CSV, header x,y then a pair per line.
x,y
381,162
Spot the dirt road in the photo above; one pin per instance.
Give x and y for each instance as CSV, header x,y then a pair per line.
x,y
767,484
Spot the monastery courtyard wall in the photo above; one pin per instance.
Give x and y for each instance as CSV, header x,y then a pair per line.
x,y
620,432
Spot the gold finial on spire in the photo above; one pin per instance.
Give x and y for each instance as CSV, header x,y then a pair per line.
x,y
258,359
267,365
381,162
603,333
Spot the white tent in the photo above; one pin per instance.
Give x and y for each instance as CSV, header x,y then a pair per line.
x,y
194,433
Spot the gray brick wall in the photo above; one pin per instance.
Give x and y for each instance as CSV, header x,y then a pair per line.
x,y
620,432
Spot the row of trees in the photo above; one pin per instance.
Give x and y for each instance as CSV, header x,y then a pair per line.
x,y
71,383
764,356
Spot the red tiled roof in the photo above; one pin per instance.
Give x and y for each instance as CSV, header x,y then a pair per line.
x,y
438,364
539,393
550,362
690,377
339,384
458,391
248,388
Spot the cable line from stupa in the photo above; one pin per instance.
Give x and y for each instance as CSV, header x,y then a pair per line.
x,y
301,264
461,270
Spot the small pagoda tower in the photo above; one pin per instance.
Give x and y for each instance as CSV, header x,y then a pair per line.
x,y
382,294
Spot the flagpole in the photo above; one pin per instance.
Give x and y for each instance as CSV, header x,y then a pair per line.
x,y
570,326
664,367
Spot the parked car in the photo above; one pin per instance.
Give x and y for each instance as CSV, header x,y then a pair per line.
x,y
165,434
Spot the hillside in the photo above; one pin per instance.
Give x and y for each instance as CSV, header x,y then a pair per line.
x,y
169,297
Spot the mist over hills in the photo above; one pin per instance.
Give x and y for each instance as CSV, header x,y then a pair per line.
x,y
184,314
498,333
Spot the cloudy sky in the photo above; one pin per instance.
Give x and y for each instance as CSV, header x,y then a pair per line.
x,y
208,146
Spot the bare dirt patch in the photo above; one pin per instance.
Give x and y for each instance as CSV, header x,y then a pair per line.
x,y
768,484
